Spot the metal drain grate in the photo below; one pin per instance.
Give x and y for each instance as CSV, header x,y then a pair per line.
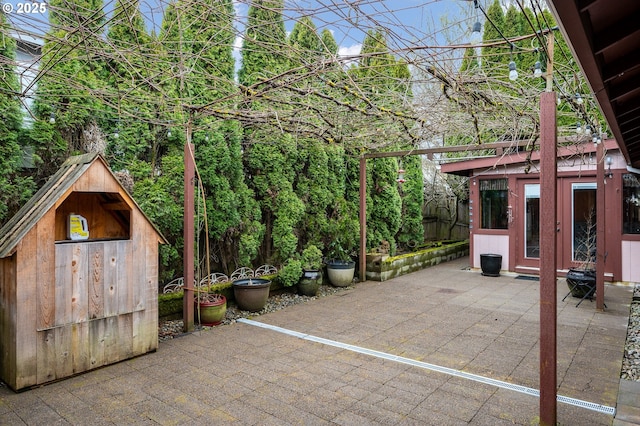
x,y
432,367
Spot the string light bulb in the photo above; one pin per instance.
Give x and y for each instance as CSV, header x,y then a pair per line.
x,y
52,118
513,73
537,70
579,99
476,33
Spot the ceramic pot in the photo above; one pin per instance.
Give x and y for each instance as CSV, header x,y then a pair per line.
x,y
491,264
310,282
251,294
212,310
341,272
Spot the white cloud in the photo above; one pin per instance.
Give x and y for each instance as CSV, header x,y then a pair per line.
x,y
347,55
349,50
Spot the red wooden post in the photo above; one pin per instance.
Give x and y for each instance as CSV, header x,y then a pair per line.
x,y
363,218
189,237
548,258
601,223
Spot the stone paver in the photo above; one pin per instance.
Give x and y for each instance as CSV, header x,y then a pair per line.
x,y
445,315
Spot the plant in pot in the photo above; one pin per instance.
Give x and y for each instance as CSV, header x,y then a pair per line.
x,y
340,267
211,307
582,279
311,278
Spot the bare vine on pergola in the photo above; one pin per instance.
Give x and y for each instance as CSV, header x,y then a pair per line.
x,y
444,101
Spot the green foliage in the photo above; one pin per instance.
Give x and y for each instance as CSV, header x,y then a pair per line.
x,y
494,60
288,213
265,27
329,45
290,273
162,200
384,219
305,44
311,258
10,125
412,191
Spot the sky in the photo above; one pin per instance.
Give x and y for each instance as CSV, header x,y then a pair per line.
x,y
411,21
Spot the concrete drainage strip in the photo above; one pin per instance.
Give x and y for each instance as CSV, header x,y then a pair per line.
x,y
432,367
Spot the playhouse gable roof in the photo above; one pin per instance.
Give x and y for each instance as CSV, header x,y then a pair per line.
x,y
55,189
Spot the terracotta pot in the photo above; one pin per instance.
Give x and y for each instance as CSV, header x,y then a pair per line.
x,y
340,272
213,310
310,282
251,294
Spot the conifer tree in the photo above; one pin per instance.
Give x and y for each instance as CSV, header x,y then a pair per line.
x,y
493,58
13,188
271,154
71,71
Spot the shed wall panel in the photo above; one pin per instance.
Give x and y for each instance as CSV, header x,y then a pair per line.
x,y
112,264
96,280
25,318
7,318
46,270
47,362
79,283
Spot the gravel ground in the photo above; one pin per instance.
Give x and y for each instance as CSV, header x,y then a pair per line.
x,y
631,360
630,363
170,329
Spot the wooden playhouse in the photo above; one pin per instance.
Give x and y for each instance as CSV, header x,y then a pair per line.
x,y
69,306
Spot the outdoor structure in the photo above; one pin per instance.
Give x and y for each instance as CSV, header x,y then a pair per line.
x,y
72,305
505,209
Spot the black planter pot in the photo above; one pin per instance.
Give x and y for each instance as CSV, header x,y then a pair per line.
x,y
491,264
580,281
310,282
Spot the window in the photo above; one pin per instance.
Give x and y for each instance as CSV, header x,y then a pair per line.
x,y
494,203
630,204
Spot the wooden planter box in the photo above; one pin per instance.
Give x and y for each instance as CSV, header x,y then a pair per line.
x,y
383,267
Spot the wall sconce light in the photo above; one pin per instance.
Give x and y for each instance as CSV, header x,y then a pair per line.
x,y
401,178
608,161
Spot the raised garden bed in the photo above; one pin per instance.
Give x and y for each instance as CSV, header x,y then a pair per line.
x,y
382,267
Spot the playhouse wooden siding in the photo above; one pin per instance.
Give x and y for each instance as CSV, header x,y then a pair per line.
x,y
67,307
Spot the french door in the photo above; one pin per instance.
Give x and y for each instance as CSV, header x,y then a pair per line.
x,y
575,226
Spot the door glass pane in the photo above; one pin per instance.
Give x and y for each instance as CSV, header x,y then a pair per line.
x,y
584,221
532,220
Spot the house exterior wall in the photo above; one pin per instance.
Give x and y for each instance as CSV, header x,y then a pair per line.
x,y
629,260
496,244
578,168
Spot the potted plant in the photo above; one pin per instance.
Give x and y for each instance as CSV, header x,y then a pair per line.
x,y
311,278
210,308
251,294
582,279
340,267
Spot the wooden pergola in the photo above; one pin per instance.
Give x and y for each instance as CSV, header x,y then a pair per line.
x,y
499,147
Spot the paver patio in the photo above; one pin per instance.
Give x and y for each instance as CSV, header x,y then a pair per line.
x,y
445,315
